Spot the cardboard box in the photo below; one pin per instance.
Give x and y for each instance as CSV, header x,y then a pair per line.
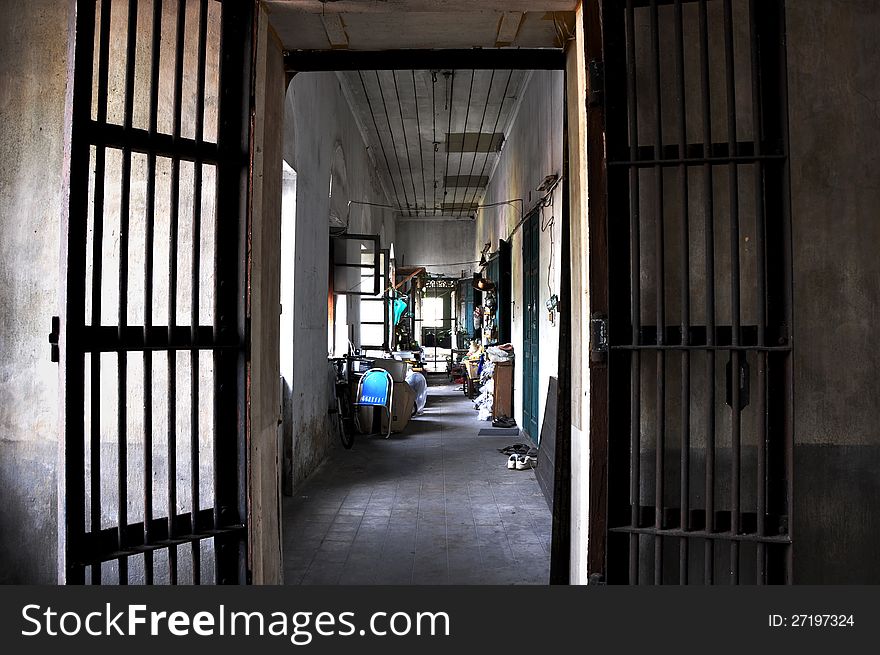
x,y
402,400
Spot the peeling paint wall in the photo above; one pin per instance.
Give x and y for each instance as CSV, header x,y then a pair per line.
x,y
444,247
321,134
31,154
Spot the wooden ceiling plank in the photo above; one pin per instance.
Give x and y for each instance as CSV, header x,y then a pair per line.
x,y
335,30
508,28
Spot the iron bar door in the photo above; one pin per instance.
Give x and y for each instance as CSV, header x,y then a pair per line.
x,y
153,330
699,293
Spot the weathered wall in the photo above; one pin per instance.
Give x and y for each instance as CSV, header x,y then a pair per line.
x,y
532,150
443,246
31,154
321,134
834,109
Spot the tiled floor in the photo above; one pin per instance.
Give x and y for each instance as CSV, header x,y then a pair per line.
x,y
433,505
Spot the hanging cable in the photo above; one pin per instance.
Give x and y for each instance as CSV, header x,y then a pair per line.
x,y
544,227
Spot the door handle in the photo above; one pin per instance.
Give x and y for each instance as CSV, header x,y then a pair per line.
x,y
739,378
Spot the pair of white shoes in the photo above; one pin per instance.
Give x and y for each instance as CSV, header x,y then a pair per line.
x,y
521,462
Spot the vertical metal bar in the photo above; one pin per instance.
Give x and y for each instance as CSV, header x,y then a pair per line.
x,y
733,181
194,300
97,270
685,298
777,240
172,291
75,254
122,322
709,240
760,254
635,296
149,236
660,281
230,280
777,13
612,499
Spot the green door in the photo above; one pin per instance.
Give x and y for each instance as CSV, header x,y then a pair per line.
x,y
531,242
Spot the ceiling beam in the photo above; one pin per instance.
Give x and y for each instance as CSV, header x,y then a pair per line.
x,y
335,30
442,6
303,61
508,27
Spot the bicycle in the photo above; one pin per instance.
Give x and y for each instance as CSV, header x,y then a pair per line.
x,y
346,418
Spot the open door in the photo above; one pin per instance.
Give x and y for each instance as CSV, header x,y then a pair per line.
x,y
153,330
692,298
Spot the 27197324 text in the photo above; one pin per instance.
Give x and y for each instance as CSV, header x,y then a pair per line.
x,y
811,621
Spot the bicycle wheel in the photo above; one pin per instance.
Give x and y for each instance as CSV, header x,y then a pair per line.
x,y
345,436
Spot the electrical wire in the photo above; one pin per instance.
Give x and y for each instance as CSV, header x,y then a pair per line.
x,y
476,261
544,227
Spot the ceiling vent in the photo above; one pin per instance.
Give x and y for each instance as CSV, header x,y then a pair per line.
x,y
474,141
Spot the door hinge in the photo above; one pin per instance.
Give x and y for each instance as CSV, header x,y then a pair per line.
x,y
596,579
53,339
598,338
596,73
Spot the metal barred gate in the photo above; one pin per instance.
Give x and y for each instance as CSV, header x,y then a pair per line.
x,y
153,332
699,440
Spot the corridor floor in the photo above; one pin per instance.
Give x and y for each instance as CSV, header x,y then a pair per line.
x,y
435,504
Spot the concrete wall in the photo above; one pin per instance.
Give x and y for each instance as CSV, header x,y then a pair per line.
x,y
445,247
321,134
834,109
532,150
31,154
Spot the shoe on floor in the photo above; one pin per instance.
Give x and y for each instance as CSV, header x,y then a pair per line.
x,y
504,422
525,462
511,462
515,449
